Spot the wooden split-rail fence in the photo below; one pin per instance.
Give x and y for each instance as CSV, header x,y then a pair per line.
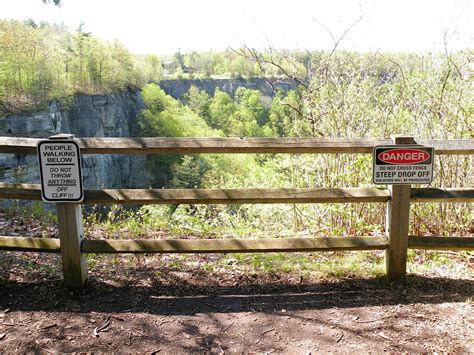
x,y
73,246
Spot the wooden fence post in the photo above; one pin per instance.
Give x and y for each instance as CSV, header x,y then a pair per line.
x,y
71,231
398,211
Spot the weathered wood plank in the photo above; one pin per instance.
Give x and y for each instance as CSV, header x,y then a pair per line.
x,y
50,245
207,196
235,145
20,191
442,195
441,243
234,245
449,147
163,145
174,196
397,218
18,145
398,211
71,232
235,196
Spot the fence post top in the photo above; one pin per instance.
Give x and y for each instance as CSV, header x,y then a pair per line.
x,y
403,139
62,136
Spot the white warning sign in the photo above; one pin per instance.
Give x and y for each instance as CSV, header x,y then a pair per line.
x,y
60,168
408,164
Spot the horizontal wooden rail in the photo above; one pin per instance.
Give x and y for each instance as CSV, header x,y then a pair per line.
x,y
50,245
234,245
442,195
72,246
441,243
31,192
160,145
235,196
207,196
239,196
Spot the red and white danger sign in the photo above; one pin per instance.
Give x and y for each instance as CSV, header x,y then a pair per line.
x,y
407,164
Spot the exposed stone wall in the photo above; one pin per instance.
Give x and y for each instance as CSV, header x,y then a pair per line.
x,y
179,88
88,116
111,115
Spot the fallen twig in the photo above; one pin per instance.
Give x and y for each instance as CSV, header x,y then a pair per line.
x,y
230,325
52,280
371,320
101,328
117,318
48,326
14,325
383,336
194,310
267,331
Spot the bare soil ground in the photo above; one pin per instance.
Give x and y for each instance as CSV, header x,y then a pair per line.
x,y
149,304
198,311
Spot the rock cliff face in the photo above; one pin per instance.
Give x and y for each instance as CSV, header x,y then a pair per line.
x,y
179,88
88,116
103,116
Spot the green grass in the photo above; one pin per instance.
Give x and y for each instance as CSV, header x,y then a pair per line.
x,y
440,263
146,222
337,264
168,223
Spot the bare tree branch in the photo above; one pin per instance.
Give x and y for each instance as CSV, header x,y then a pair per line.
x,y
346,31
56,2
400,69
448,55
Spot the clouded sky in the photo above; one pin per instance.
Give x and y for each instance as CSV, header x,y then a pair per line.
x,y
161,27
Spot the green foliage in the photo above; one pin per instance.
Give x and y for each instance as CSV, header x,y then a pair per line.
x,y
340,94
439,263
35,212
240,68
211,64
341,264
252,102
221,109
370,95
188,173
245,115
165,117
199,101
156,100
40,62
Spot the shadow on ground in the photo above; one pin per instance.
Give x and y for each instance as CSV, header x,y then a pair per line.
x,y
184,298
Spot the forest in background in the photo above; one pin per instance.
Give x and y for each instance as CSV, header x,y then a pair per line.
x,y
340,94
43,62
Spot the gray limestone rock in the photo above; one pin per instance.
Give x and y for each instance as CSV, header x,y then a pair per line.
x,y
179,88
111,115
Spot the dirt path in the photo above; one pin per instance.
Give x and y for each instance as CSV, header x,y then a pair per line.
x,y
197,312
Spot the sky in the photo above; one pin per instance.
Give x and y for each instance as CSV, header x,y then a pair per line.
x,y
164,27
